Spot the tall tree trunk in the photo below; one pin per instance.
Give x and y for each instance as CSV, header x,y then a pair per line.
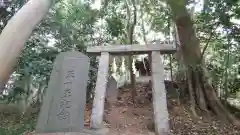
x,y
145,41
226,91
16,33
130,28
198,76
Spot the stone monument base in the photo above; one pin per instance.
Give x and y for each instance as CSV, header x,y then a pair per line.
x,y
102,131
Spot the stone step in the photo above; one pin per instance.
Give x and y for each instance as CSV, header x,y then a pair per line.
x,y
103,131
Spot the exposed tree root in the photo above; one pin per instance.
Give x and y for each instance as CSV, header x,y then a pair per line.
x,y
191,95
200,84
199,91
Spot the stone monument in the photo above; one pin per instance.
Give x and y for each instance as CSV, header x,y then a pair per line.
x,y
64,102
112,91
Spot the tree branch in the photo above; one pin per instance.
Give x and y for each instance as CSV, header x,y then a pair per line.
x,y
208,40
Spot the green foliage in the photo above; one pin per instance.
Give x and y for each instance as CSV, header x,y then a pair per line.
x,y
216,30
115,26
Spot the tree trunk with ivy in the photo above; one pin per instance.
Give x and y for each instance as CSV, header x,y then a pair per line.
x,y
199,81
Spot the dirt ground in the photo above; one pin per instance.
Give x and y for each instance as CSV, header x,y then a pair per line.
x,y
125,118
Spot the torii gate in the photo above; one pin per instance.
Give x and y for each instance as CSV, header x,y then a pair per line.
x,y
158,88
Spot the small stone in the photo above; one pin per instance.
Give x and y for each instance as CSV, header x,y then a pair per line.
x,y
103,131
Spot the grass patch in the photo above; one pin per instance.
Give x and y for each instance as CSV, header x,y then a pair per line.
x,y
16,124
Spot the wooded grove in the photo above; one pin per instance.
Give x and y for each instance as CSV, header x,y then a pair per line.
x,y
206,66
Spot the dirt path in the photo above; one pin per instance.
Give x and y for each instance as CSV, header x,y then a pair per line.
x,y
125,118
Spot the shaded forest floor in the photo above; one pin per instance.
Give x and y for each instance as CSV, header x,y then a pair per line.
x,y
126,118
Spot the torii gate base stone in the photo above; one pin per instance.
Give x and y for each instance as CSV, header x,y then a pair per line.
x,y
159,94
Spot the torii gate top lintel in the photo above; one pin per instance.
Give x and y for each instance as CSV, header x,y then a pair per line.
x,y
132,49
